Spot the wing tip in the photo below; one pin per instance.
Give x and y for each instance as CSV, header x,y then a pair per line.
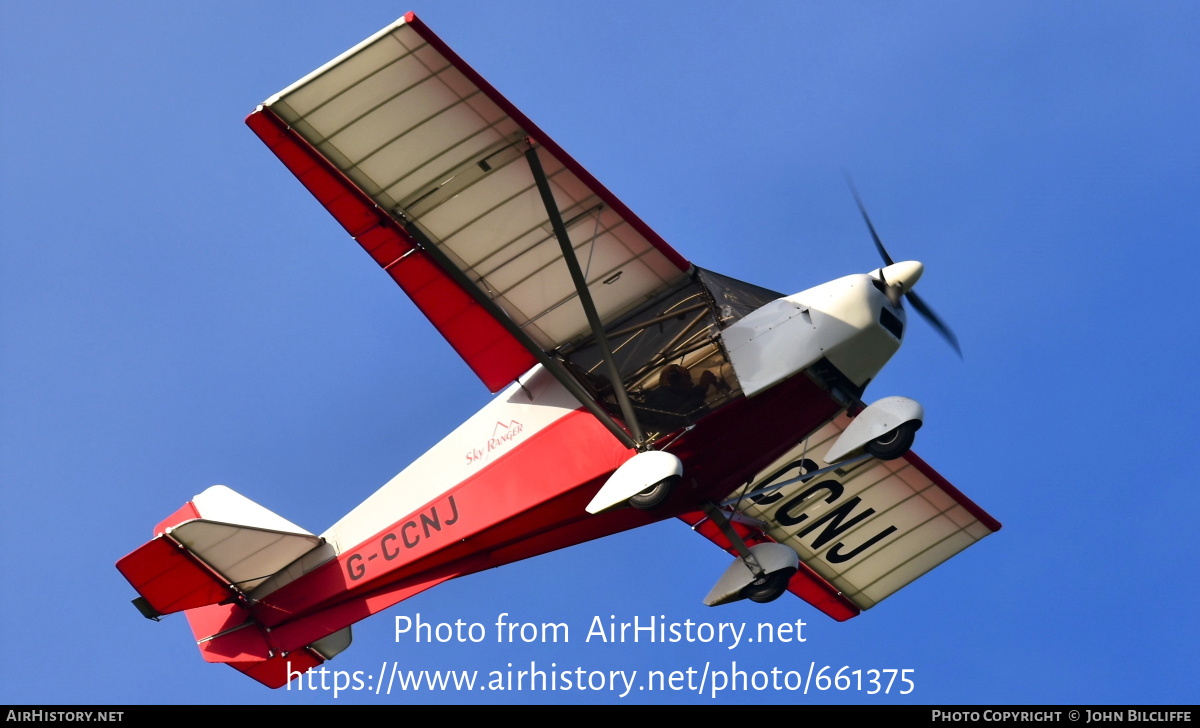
x,y
972,507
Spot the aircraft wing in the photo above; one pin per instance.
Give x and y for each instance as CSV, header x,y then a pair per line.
x,y
425,165
863,531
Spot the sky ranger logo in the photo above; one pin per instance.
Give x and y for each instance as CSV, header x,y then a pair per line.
x,y
503,435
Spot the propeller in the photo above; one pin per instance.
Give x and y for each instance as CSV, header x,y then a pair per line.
x,y
903,285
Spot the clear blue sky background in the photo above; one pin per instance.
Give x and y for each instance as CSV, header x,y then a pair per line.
x,y
177,312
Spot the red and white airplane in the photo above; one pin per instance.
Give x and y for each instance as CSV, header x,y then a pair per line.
x,y
633,386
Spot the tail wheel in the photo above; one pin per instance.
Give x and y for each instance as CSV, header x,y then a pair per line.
x,y
768,587
655,495
895,443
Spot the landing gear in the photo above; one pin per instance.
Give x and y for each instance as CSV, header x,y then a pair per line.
x,y
643,481
885,430
760,573
768,587
655,495
895,443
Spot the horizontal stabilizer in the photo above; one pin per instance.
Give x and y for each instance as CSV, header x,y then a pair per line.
x,y
222,544
203,560
244,555
228,633
280,669
171,578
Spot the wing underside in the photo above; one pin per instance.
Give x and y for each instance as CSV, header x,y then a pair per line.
x,y
408,148
867,529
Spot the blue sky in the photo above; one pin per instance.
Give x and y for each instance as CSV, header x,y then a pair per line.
x,y
178,312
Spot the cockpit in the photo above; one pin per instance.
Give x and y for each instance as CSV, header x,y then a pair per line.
x,y
671,359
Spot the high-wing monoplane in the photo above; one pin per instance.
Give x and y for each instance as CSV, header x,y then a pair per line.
x,y
633,386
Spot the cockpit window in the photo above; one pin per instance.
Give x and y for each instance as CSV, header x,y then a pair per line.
x,y
733,298
670,357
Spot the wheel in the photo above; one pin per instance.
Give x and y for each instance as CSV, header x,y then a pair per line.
x,y
654,496
895,443
768,587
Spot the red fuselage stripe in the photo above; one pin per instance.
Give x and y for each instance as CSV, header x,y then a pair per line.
x,y
531,501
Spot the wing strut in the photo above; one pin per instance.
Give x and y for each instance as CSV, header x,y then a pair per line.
x,y
791,481
717,516
551,364
585,296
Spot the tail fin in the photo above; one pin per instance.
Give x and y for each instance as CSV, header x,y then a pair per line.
x,y
204,559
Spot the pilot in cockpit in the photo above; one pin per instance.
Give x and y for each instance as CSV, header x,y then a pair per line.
x,y
677,393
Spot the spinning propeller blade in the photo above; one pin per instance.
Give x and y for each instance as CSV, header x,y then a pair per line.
x,y
887,259
935,321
